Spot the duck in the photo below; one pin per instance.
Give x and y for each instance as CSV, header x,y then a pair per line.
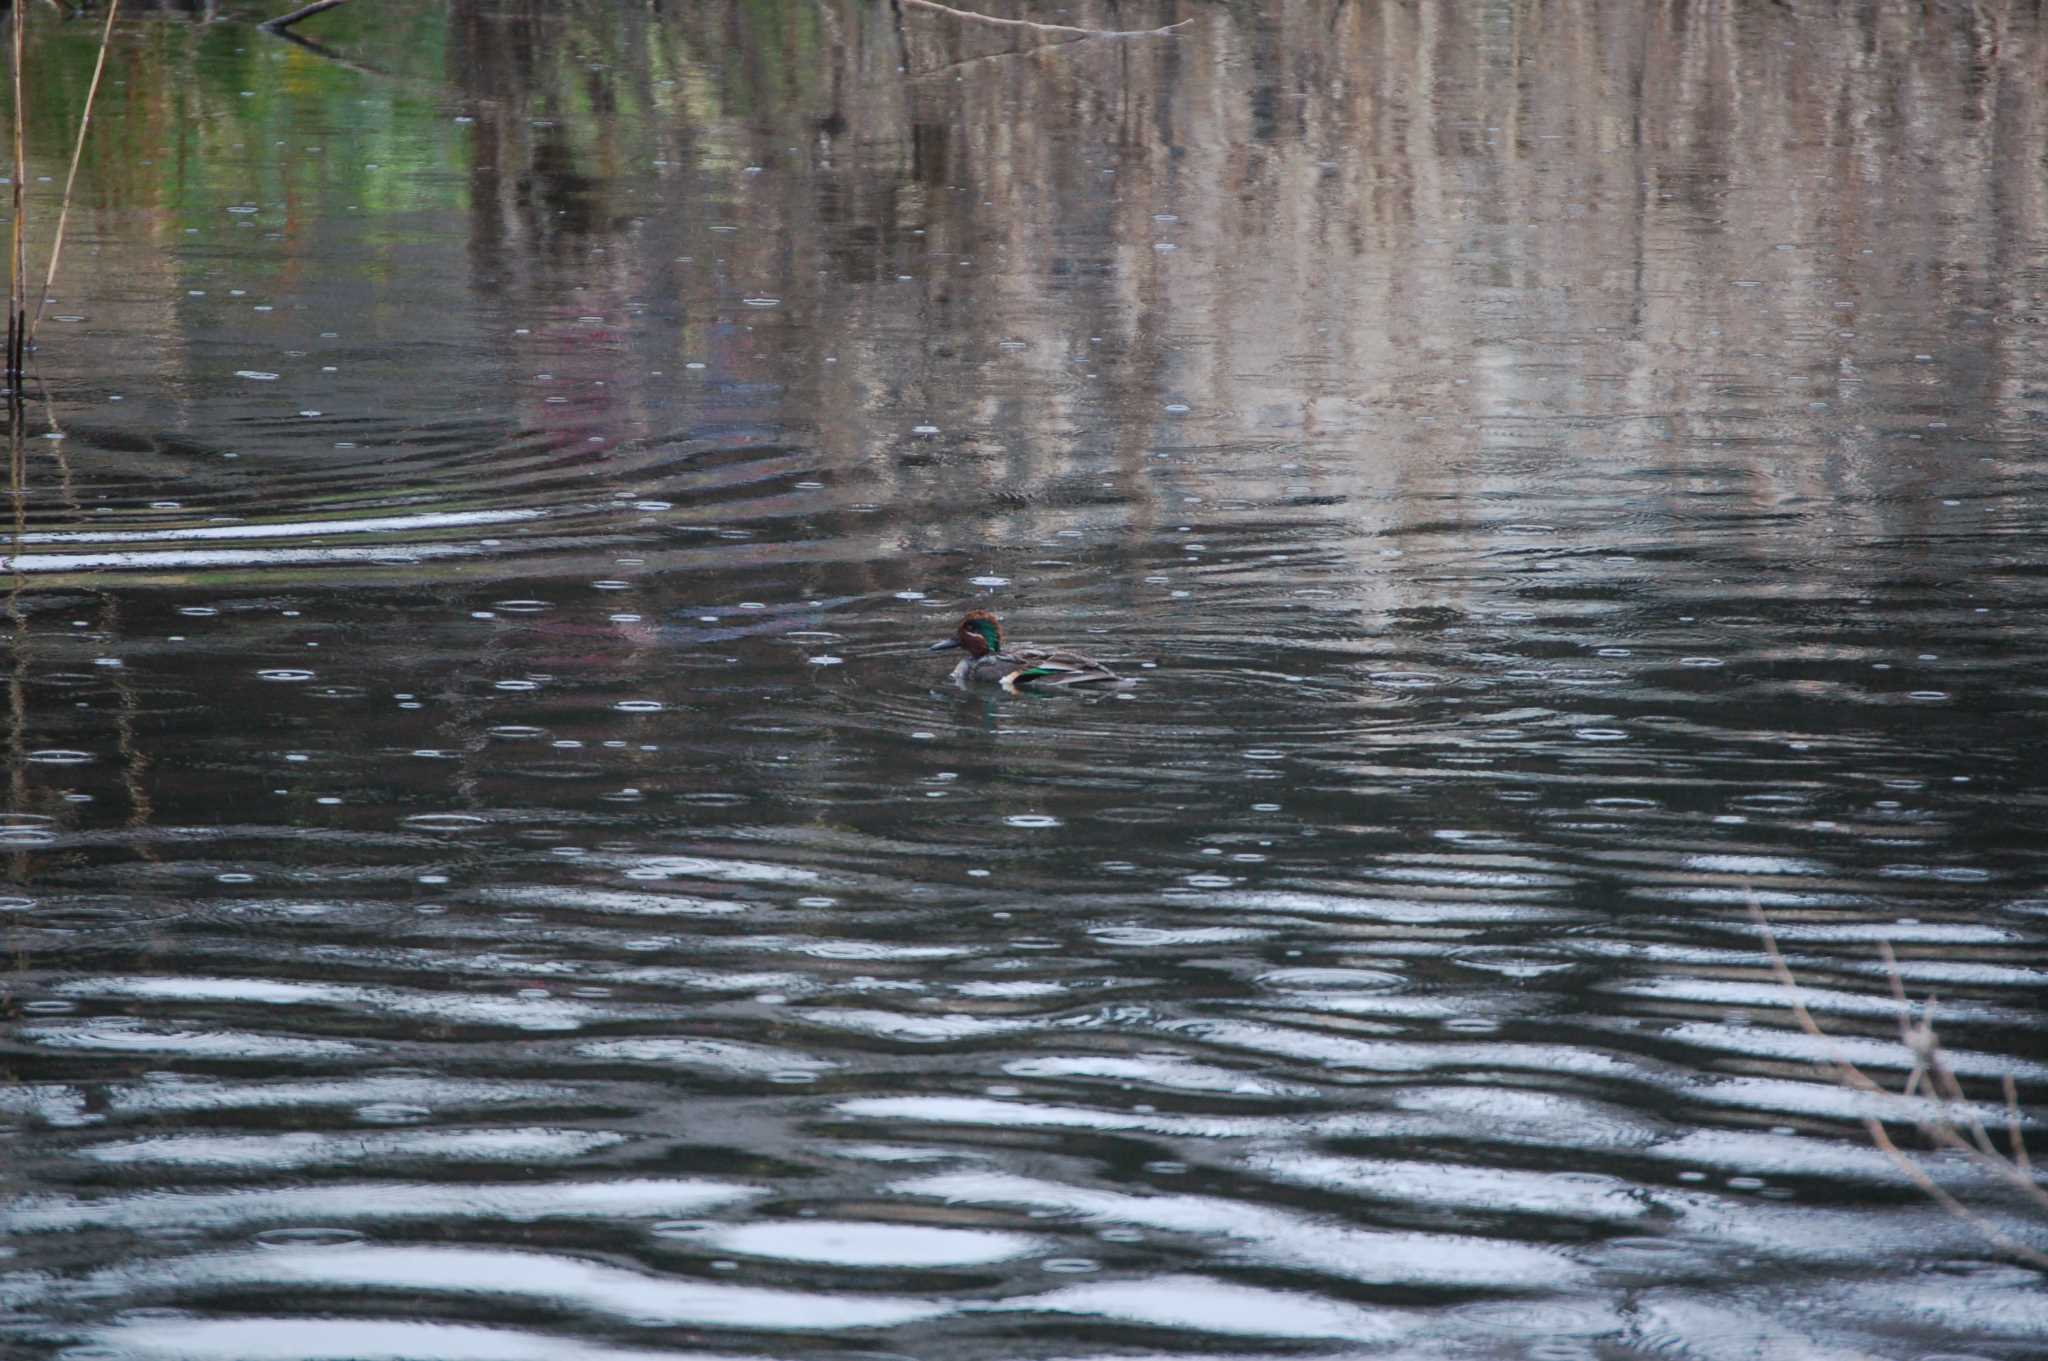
x,y
980,636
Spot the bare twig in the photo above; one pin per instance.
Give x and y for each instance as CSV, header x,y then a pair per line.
x,y
1918,1175
285,21
1928,1064
1013,23
1848,1072
1954,1090
1897,981
77,153
1925,1047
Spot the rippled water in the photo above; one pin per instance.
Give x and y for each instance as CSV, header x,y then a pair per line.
x,y
494,873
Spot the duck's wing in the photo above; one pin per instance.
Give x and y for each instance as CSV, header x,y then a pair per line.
x,y
1049,668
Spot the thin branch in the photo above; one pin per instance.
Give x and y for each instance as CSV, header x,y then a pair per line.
x,y
77,153
1942,1087
1920,1040
1954,1091
1848,1072
1933,1191
285,21
1003,23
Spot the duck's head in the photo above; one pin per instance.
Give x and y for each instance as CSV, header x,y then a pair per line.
x,y
979,634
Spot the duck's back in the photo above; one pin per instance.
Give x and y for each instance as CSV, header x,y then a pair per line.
x,y
1054,666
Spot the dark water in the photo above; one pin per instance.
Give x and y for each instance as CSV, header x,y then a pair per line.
x,y
493,873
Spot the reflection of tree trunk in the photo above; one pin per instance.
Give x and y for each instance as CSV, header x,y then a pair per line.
x,y
134,761
902,38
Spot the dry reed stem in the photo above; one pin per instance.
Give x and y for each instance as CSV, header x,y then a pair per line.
x,y
954,67
17,258
1991,1233
77,153
1929,1066
1020,23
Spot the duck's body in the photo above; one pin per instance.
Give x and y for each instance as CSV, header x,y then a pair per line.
x,y
988,661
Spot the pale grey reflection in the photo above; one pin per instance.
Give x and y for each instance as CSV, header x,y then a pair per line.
x,y
278,1152
850,1243
524,1013
1278,1236
556,1281
288,1338
1206,1306
1488,1189
713,1055
128,1036
377,1202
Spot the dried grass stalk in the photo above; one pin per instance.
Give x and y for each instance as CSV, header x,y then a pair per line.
x,y
1943,1093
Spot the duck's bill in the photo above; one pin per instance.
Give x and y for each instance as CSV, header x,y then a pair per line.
x,y
946,646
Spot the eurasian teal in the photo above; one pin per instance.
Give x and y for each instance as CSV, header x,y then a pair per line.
x,y
980,636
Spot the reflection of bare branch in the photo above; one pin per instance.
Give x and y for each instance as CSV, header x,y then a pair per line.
x,y
953,67
1944,1092
285,21
324,52
1031,24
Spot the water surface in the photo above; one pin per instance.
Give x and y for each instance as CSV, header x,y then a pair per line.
x,y
492,871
